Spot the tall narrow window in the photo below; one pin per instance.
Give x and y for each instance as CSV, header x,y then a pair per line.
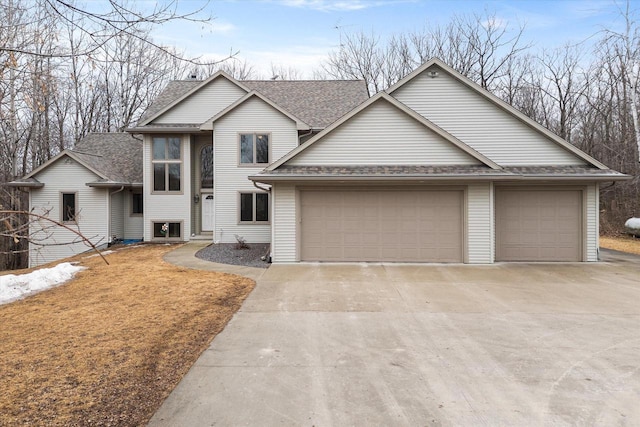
x,y
254,148
254,207
167,164
206,167
68,208
136,204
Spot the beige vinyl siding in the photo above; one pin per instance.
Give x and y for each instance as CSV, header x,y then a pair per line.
x,y
383,135
480,223
592,222
133,224
283,247
167,207
117,214
68,176
480,123
253,116
203,104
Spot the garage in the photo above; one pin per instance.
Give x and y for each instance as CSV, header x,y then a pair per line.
x,y
381,225
538,225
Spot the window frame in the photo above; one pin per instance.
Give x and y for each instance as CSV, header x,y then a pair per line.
x,y
167,237
131,211
167,162
75,208
253,208
255,139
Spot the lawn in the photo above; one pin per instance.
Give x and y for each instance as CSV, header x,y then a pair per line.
x,y
621,243
107,347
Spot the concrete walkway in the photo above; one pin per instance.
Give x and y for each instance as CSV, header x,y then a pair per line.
x,y
378,344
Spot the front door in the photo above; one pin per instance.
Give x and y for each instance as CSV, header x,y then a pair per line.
x,y
207,211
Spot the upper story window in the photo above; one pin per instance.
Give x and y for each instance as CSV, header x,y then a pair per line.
x,y
167,164
254,148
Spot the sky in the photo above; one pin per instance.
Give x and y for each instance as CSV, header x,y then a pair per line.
x,y
301,33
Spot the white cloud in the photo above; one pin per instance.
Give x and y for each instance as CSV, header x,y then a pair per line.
x,y
335,5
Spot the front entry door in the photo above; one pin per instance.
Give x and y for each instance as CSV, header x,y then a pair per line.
x,y
207,211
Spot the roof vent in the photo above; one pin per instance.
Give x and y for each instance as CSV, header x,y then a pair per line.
x,y
193,76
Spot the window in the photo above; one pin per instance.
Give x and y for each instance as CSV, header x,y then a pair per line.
x,y
167,230
254,207
136,204
167,163
254,149
68,207
206,167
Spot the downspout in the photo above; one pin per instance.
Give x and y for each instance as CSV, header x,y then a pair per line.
x,y
272,222
109,215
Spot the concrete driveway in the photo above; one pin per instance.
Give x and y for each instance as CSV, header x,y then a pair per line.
x,y
505,344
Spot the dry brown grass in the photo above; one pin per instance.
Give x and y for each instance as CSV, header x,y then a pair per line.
x,y
107,347
624,244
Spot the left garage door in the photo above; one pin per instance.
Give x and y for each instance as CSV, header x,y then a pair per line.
x,y
394,226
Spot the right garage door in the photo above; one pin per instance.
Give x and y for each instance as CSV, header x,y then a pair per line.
x,y
538,225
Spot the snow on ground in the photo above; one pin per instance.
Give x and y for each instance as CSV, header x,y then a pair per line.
x,y
14,287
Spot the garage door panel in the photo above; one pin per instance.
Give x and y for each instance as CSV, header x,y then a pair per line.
x,y
381,226
538,225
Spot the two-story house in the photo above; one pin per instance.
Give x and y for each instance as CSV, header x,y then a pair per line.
x,y
434,169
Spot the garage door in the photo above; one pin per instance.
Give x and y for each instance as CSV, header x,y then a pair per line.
x,y
396,226
534,225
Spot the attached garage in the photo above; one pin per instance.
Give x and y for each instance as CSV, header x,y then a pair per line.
x,y
539,225
381,225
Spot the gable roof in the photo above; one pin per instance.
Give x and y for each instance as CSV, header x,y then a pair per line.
x,y
177,92
382,97
208,125
116,158
315,102
499,103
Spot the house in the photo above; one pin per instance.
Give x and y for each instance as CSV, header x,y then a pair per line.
x,y
185,165
94,189
434,169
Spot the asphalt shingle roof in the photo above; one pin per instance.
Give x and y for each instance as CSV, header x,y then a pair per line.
x,y
435,171
316,102
118,156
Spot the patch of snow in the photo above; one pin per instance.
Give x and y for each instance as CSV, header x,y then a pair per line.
x,y
101,252
13,287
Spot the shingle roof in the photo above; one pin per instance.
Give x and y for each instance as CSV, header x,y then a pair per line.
x,y
316,102
117,156
294,172
174,90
